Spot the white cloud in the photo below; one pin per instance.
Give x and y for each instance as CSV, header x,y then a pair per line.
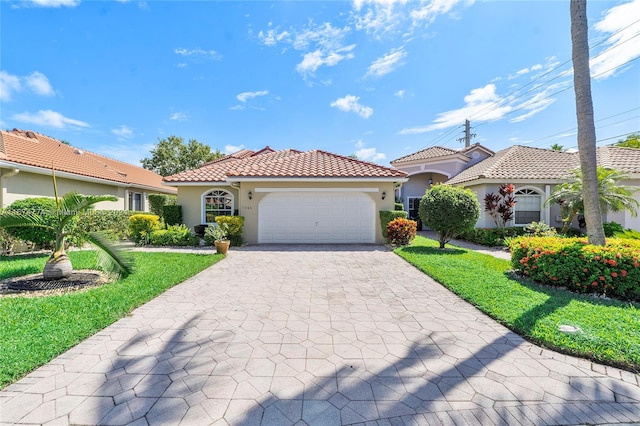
x,y
620,24
387,63
8,84
272,37
314,60
196,54
49,118
321,44
382,16
482,103
359,144
55,3
123,132
370,154
236,107
179,116
230,149
244,96
400,93
39,83
350,103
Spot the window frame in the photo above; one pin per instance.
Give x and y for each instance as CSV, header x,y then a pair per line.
x,y
530,192
216,193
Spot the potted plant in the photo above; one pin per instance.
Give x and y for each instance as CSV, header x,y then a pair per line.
x,y
219,233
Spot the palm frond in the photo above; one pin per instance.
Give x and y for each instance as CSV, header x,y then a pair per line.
x,y
12,219
112,258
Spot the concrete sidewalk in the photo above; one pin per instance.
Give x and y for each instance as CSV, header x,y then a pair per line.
x,y
280,335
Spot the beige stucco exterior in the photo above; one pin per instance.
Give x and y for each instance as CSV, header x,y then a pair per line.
x,y
24,184
191,199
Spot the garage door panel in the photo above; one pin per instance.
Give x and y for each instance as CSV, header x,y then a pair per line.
x,y
316,217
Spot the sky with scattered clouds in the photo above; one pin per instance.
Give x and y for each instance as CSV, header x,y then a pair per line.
x,y
376,78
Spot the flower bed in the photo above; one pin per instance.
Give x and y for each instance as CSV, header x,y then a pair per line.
x,y
612,270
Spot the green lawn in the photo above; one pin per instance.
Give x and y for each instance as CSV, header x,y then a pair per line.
x,y
610,329
35,330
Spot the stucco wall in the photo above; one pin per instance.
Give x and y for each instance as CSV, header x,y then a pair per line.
x,y
190,198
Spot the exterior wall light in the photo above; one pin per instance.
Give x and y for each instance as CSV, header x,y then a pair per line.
x,y
250,194
384,194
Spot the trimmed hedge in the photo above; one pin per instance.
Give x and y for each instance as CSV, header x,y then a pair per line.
x,y
235,224
491,236
398,207
158,201
172,214
401,231
44,207
142,225
613,270
174,235
387,216
113,222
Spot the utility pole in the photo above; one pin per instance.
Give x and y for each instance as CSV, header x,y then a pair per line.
x,y
467,134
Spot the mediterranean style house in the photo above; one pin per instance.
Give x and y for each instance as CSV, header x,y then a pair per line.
x,y
289,196
27,159
533,171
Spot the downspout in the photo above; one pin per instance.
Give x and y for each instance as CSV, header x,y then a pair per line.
x,y
11,173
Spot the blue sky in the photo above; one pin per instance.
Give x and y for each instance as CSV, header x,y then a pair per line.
x,y
380,79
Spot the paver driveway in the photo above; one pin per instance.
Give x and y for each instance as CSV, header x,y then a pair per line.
x,y
276,335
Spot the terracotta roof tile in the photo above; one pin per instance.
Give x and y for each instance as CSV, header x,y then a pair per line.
x,y
288,164
425,154
521,162
38,150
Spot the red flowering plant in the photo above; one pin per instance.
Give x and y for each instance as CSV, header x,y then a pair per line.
x,y
613,270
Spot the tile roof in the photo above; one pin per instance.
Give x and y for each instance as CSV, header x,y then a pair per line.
x,y
522,162
41,151
426,154
287,164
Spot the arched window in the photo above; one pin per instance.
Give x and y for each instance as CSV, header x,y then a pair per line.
x,y
528,206
216,203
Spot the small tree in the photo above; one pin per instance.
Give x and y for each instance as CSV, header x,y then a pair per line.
x,y
449,210
500,206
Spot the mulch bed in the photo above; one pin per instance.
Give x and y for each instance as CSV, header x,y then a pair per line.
x,y
36,285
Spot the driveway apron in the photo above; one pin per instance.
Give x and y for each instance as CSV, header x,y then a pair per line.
x,y
281,335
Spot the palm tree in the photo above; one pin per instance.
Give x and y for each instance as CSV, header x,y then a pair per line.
x,y
611,195
557,147
586,126
70,206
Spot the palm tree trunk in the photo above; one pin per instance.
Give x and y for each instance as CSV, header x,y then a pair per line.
x,y
586,127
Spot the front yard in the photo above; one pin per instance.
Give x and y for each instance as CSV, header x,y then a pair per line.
x,y
35,330
609,329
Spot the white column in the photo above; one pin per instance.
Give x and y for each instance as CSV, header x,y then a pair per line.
x,y
547,208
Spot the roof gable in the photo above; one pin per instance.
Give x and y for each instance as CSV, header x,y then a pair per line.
x,y
40,151
288,163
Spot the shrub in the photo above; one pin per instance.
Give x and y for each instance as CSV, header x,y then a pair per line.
x,y
216,232
500,206
401,232
540,229
398,207
449,210
613,269
142,225
43,206
158,201
174,235
611,228
629,233
172,214
115,223
492,237
235,225
387,216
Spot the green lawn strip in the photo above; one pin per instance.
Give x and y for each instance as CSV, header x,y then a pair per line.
x,y
610,329
35,330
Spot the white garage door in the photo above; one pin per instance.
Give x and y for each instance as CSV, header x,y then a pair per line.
x,y
316,217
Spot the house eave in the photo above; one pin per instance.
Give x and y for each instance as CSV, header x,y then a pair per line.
x,y
319,179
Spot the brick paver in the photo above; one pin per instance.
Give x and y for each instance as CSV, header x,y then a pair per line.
x,y
317,336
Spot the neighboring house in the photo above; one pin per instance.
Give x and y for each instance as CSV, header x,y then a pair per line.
x,y
27,158
290,196
533,171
